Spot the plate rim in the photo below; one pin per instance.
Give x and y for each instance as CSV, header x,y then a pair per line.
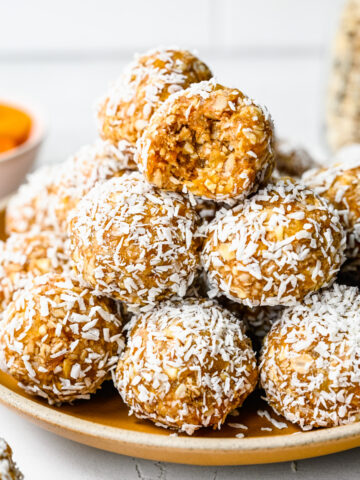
x,y
50,416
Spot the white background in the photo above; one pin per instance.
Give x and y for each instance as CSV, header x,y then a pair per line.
x,y
62,55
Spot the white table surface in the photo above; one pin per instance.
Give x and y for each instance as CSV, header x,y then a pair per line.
x,y
61,56
44,456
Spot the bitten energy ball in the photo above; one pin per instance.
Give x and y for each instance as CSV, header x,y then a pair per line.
x,y
275,248
210,140
8,468
310,365
133,242
127,108
340,184
186,365
51,193
29,254
292,160
59,340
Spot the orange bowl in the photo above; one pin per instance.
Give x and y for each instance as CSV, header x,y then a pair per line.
x,y
16,162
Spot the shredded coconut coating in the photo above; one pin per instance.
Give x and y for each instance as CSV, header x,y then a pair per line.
x,y
32,206
134,242
186,365
340,184
275,248
50,194
146,83
310,364
29,254
8,468
59,340
210,140
292,160
257,320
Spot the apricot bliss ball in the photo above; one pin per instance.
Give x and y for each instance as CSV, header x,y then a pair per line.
x,y
59,340
274,248
210,140
131,101
186,365
50,194
257,320
29,254
91,165
8,468
30,208
133,242
310,364
292,160
340,184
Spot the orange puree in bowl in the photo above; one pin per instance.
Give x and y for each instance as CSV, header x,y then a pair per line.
x,y
15,127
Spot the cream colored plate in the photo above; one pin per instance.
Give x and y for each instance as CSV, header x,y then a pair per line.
x,y
103,422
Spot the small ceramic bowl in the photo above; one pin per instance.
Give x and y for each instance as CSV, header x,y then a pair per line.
x,y
16,163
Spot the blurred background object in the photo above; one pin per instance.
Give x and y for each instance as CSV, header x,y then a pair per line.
x,y
343,105
21,135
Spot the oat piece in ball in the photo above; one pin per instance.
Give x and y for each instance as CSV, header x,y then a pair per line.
x,y
292,160
30,254
310,365
186,365
210,140
59,340
8,468
147,82
133,242
340,184
275,248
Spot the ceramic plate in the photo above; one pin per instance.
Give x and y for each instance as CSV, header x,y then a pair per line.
x,y
103,422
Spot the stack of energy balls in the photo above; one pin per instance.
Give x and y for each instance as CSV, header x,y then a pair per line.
x,y
154,255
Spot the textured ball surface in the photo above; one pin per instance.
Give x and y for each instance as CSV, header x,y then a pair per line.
x,y
8,468
340,185
186,365
59,340
211,140
310,364
134,242
275,248
147,82
51,193
31,254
